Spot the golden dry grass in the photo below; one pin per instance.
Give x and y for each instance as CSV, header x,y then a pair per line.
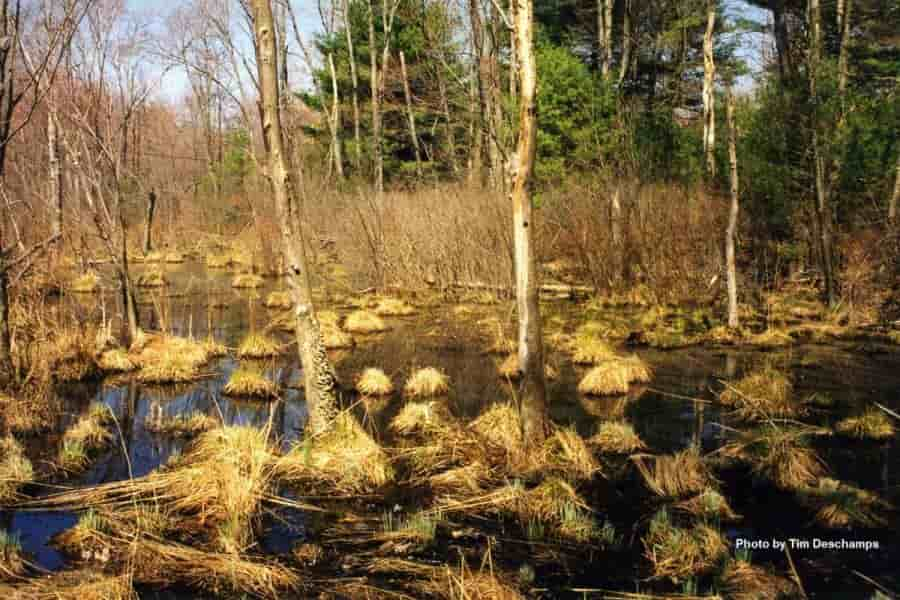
x,y
89,435
839,505
168,359
617,437
279,300
345,458
116,361
500,426
70,356
213,348
217,261
466,480
334,338
567,453
771,338
247,281
15,469
678,554
609,379
742,581
364,322
421,417
374,382
708,504
605,407
509,369
86,284
763,394
426,382
183,425
174,257
73,585
257,345
591,350
154,256
249,380
674,475
393,307
780,455
151,278
871,425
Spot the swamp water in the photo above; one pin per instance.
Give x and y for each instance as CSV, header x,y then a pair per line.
x,y
677,409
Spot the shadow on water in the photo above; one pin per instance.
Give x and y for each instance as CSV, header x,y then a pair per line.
x,y
673,412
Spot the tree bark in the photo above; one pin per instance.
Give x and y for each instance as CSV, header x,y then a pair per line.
x,y
892,204
6,365
782,43
533,402
482,114
843,18
319,378
56,188
626,41
336,121
354,79
605,32
731,273
822,212
709,99
148,224
410,115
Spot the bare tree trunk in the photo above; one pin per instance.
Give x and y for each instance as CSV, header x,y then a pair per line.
x,y
148,224
731,273
410,115
354,79
336,121
782,43
451,135
892,204
482,114
533,408
376,105
513,58
128,300
6,366
822,212
476,135
843,19
319,378
626,41
709,99
604,34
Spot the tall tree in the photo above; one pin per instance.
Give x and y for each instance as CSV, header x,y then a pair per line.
x,y
709,98
533,401
730,233
319,378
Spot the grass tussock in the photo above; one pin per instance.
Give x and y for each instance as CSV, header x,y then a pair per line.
x,y
334,338
213,348
608,379
174,257
345,458
426,382
839,505
217,261
500,426
674,475
509,369
15,469
679,554
780,455
763,394
89,435
257,345
467,480
605,407
374,382
771,338
393,307
86,284
742,581
617,437
183,425
247,281
871,425
710,505
151,278
364,322
168,359
250,380
279,300
116,361
74,585
71,357
567,453
591,350
421,417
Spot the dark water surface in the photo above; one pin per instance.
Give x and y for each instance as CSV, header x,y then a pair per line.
x,y
662,413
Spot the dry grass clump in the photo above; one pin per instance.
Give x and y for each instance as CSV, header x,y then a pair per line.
x,y
86,284
89,435
213,348
280,300
71,356
74,585
426,382
779,455
363,321
431,415
742,581
871,425
617,437
509,369
839,505
257,345
466,480
674,475
183,425
344,457
567,453
605,407
608,379
771,338
247,281
217,261
168,359
764,394
393,307
250,380
374,382
555,504
637,370
151,278
500,426
116,361
463,584
679,554
174,257
590,350
154,256
12,565
15,469
709,504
